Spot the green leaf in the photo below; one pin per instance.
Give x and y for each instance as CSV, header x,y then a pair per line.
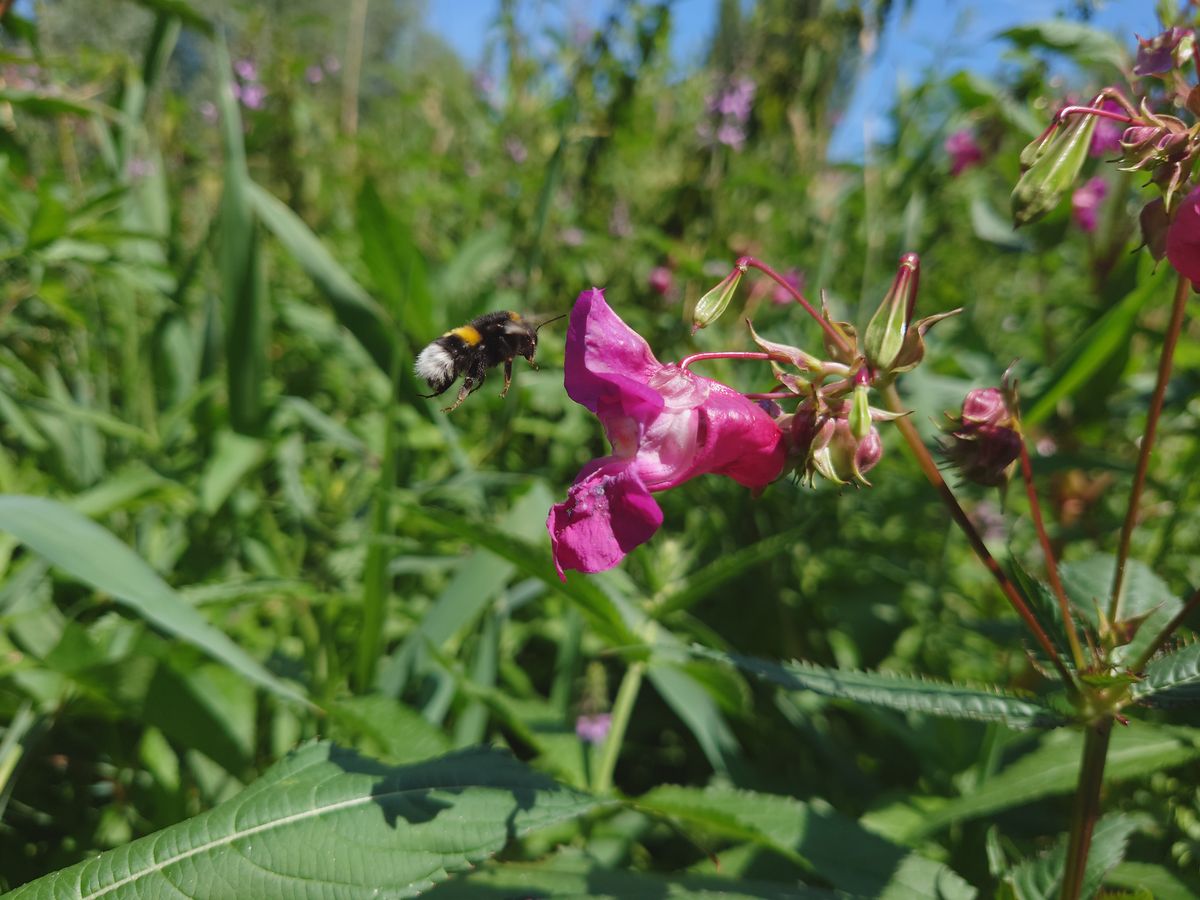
x,y
698,711
812,834
1041,879
326,821
92,555
353,306
1173,679
234,457
904,693
973,91
1098,345
1086,45
239,260
396,266
1159,880
1053,768
570,874
1143,596
185,11
44,104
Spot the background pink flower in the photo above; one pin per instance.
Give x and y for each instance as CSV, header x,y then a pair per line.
x,y
963,151
1085,202
665,424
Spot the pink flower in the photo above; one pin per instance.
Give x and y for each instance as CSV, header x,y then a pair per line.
x,y
1106,138
593,729
253,96
1085,202
246,70
1183,238
963,151
660,280
781,296
314,74
665,424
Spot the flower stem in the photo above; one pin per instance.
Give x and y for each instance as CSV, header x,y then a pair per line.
x,y
929,467
687,361
622,709
1168,630
835,335
1093,111
1087,806
1165,360
1035,507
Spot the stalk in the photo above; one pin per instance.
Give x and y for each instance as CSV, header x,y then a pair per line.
x,y
1064,604
622,709
839,339
1087,806
1170,339
1168,630
933,474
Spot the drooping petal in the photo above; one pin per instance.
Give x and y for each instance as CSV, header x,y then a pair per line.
x,y
736,438
607,363
608,512
1183,238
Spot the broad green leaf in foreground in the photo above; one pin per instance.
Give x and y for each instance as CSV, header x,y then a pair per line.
x,y
570,875
904,693
92,555
843,853
325,822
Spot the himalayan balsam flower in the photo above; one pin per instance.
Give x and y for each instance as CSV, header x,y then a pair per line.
x,y
780,295
665,424
1183,238
984,439
246,70
1085,202
963,151
593,729
253,96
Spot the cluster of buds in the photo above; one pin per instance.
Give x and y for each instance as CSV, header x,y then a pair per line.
x,y
831,432
1164,147
984,440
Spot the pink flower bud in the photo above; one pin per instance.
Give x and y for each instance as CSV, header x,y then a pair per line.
x,y
660,280
963,151
984,439
984,406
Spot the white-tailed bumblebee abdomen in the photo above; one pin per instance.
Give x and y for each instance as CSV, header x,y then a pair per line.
x,y
436,366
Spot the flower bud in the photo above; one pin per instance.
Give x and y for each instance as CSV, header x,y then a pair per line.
x,y
985,439
886,331
660,280
1057,163
1154,224
711,305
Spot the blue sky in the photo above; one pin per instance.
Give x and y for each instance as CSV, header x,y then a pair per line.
x,y
945,35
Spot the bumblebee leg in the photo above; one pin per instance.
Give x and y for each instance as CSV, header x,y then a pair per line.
x,y
507,378
463,393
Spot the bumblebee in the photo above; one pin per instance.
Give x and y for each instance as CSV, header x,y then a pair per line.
x,y
472,349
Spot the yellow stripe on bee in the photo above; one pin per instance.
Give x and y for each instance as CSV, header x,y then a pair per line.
x,y
469,334
515,317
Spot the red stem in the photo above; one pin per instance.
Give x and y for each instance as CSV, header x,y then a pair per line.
x,y
1039,524
839,339
1170,339
1168,630
730,354
1093,111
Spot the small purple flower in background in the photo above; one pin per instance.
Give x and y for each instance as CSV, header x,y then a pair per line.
x,y
253,96
1085,202
593,729
246,70
729,110
515,149
208,112
963,151
1163,52
139,167
780,295
1106,138
572,237
332,65
314,74
666,426
661,280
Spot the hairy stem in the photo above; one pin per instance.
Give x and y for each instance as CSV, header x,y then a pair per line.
x,y
1170,339
1087,806
929,467
1035,507
622,709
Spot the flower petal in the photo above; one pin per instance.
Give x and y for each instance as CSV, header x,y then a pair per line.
x,y
607,363
738,439
1183,238
608,512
